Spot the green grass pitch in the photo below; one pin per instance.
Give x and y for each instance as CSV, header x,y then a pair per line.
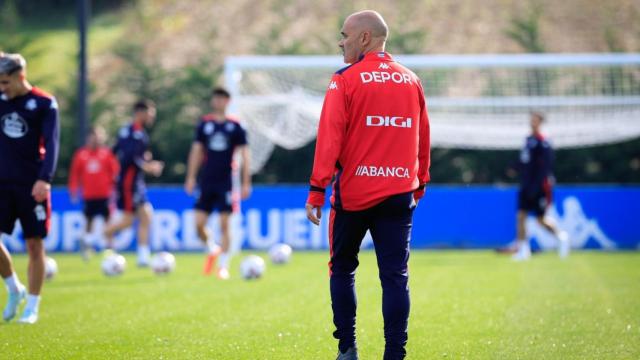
x,y
465,305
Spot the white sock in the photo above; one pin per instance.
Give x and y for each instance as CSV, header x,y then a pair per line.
x,y
33,301
13,283
525,248
211,246
144,252
86,239
223,261
562,236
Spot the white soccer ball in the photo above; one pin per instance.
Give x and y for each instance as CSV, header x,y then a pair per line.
x,y
252,267
113,265
280,253
163,263
50,268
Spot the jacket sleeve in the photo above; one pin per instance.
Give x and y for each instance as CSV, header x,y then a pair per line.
x,y
116,146
74,176
199,134
549,160
331,134
140,153
546,165
424,147
51,141
540,169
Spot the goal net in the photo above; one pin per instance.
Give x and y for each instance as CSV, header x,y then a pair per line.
x,y
474,101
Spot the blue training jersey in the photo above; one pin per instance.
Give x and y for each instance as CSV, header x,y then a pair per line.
x,y
536,164
29,137
130,148
220,139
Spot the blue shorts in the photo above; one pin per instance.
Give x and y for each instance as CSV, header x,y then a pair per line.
x,y
16,203
535,203
219,200
96,207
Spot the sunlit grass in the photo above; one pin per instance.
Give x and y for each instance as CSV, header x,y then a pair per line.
x,y
465,305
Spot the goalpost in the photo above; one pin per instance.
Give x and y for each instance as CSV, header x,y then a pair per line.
x,y
474,101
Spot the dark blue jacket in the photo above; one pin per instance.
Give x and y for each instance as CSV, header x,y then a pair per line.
x,y
130,148
536,165
29,137
220,139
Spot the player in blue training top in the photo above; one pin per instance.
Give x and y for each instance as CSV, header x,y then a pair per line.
x,y
217,139
29,140
536,181
132,151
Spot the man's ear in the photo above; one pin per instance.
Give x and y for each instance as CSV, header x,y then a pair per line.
x,y
366,38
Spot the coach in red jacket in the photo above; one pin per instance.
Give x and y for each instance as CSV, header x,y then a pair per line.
x,y
373,142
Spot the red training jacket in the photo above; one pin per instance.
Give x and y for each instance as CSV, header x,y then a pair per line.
x,y
373,136
95,171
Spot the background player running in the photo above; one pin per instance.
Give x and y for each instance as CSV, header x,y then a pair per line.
x,y
217,139
535,195
29,137
132,150
94,169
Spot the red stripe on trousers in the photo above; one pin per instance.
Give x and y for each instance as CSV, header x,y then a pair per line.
x,y
128,189
47,222
332,217
546,187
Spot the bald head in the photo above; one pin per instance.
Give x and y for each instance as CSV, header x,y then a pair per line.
x,y
363,32
369,20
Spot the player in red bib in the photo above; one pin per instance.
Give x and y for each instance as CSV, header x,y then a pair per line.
x,y
373,144
29,141
94,169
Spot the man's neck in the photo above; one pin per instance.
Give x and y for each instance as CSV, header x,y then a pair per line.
x,y
373,49
138,123
24,89
219,116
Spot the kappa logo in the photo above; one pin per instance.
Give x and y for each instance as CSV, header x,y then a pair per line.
x,y
31,105
13,125
333,85
383,66
579,225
